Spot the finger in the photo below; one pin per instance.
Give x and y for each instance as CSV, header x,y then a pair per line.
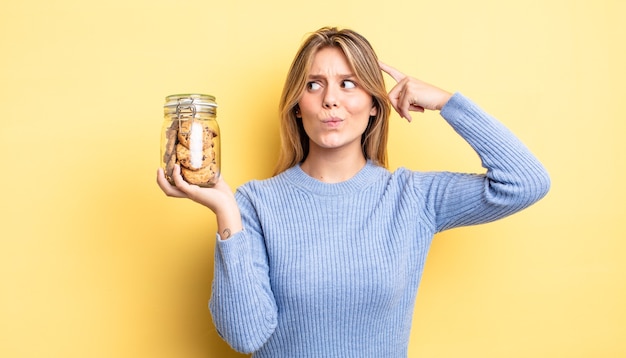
x,y
398,93
404,106
416,108
409,105
395,74
221,185
167,187
400,104
394,96
400,98
179,181
186,189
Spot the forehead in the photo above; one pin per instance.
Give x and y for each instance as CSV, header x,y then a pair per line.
x,y
330,60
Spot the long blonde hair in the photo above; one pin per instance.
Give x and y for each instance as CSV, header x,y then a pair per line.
x,y
364,62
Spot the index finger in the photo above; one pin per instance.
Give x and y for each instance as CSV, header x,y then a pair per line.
x,y
395,74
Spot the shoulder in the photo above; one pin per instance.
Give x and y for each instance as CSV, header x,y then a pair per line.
x,y
264,187
410,177
419,183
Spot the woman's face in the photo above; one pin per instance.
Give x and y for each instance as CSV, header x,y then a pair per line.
x,y
335,110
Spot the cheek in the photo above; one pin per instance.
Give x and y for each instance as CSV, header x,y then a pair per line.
x,y
361,106
307,103
364,124
308,122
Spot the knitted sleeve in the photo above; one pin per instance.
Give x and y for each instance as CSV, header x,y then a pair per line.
x,y
242,304
514,179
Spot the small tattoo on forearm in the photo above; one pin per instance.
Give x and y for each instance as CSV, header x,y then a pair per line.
x,y
226,233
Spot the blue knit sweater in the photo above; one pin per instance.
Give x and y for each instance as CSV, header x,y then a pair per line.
x,y
332,270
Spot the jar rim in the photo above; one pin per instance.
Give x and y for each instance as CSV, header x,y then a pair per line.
x,y
198,99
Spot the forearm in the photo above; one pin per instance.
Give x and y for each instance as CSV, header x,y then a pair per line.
x,y
505,157
228,221
242,304
514,179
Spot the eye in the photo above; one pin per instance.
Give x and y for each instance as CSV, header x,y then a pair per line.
x,y
348,84
313,86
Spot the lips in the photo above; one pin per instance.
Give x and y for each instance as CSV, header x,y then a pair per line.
x,y
332,123
332,120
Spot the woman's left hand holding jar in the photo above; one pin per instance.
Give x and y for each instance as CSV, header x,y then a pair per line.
x,y
219,199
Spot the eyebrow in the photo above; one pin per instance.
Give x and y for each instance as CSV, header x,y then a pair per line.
x,y
318,77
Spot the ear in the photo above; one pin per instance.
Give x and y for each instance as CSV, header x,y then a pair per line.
x,y
373,111
296,111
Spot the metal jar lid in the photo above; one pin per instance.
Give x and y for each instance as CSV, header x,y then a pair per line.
x,y
190,102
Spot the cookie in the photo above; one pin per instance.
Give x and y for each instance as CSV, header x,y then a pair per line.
x,y
169,154
192,132
171,138
194,159
202,177
169,167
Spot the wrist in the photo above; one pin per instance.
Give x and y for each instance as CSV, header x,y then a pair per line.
x,y
443,100
228,223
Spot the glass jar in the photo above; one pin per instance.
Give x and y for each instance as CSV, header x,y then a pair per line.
x,y
190,137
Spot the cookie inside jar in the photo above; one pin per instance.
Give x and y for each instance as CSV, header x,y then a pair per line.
x,y
190,139
191,143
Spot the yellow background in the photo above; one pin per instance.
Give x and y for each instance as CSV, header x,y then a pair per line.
x,y
96,262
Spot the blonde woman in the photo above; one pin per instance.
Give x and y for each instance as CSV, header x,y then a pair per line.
x,y
324,259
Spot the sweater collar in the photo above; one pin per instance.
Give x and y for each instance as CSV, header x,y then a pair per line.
x,y
369,174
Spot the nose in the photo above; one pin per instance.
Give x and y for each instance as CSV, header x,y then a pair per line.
x,y
330,98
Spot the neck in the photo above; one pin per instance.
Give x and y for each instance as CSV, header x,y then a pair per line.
x,y
333,168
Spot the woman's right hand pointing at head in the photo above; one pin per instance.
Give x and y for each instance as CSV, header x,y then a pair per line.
x,y
413,95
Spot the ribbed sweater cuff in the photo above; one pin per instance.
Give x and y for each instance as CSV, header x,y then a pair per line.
x,y
232,250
